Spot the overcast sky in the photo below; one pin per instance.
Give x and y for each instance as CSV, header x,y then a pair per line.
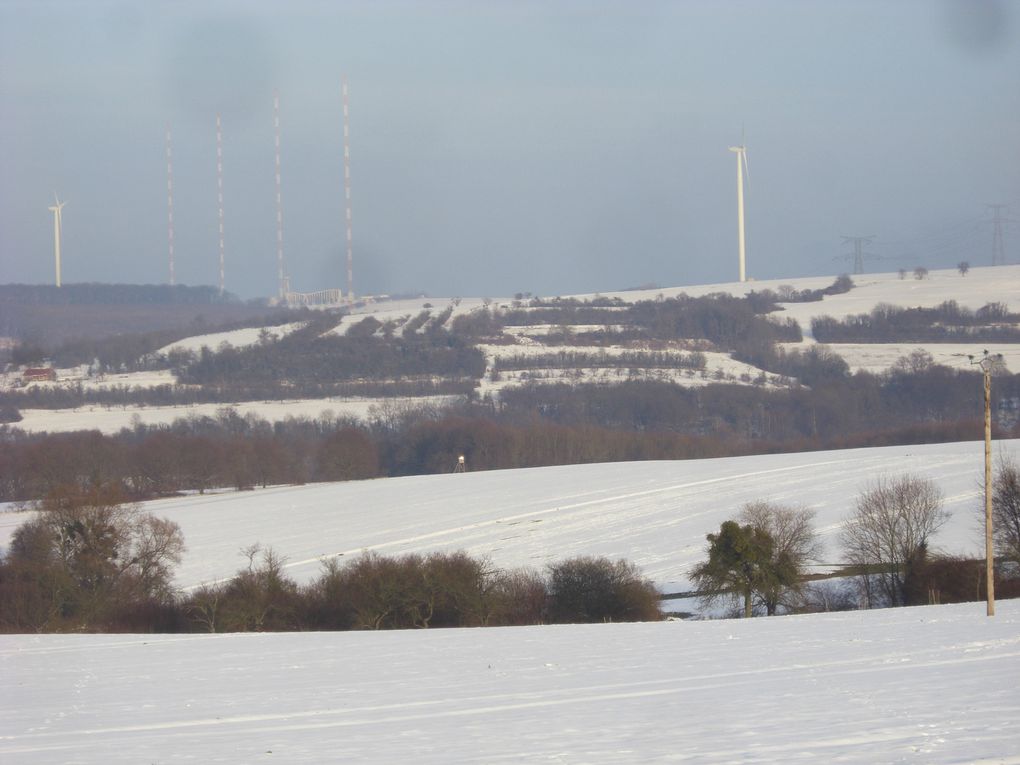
x,y
498,147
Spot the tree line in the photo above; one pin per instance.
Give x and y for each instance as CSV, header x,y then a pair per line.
x,y
527,427
91,562
758,561
945,323
579,360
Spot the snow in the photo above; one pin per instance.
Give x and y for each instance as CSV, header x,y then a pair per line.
x,y
400,311
975,290
719,367
978,288
112,419
238,338
931,685
655,514
878,357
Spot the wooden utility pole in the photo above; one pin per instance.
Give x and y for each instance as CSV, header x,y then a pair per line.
x,y
989,547
987,363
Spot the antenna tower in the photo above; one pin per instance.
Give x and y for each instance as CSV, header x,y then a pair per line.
x,y
859,253
219,193
998,245
279,199
347,192
170,203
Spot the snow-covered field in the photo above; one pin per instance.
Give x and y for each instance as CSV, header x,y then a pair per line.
x,y
927,685
112,419
655,514
878,357
979,287
399,311
238,338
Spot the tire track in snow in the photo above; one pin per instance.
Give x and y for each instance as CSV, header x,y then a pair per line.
x,y
551,511
498,703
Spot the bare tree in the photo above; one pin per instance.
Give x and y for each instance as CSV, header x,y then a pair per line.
x,y
889,530
93,554
794,544
917,361
963,267
1006,509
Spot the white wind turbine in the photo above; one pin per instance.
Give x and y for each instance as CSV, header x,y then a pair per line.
x,y
741,152
57,223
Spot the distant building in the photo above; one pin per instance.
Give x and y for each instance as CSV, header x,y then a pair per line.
x,y
39,374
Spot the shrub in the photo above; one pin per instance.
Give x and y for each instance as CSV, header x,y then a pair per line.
x,y
518,597
595,589
259,598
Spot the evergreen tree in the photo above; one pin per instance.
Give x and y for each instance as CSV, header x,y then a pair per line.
x,y
741,562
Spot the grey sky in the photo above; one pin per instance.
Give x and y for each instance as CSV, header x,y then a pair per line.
x,y
503,147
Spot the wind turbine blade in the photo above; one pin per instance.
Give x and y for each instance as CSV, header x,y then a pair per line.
x,y
747,173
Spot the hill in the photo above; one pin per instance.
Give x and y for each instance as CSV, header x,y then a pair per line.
x,y
586,344
43,318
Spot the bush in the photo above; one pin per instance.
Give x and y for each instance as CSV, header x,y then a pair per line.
x,y
518,598
260,598
595,589
9,413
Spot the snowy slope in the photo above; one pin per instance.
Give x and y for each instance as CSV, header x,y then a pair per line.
x,y
927,685
979,287
238,338
655,514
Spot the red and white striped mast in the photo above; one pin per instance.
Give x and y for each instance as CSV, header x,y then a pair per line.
x,y
279,199
219,194
347,192
170,203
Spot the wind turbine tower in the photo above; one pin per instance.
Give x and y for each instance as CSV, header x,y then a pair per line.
x,y
57,224
219,193
279,200
741,152
347,193
170,203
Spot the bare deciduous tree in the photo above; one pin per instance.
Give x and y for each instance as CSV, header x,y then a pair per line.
x,y
888,530
794,544
93,554
1006,509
